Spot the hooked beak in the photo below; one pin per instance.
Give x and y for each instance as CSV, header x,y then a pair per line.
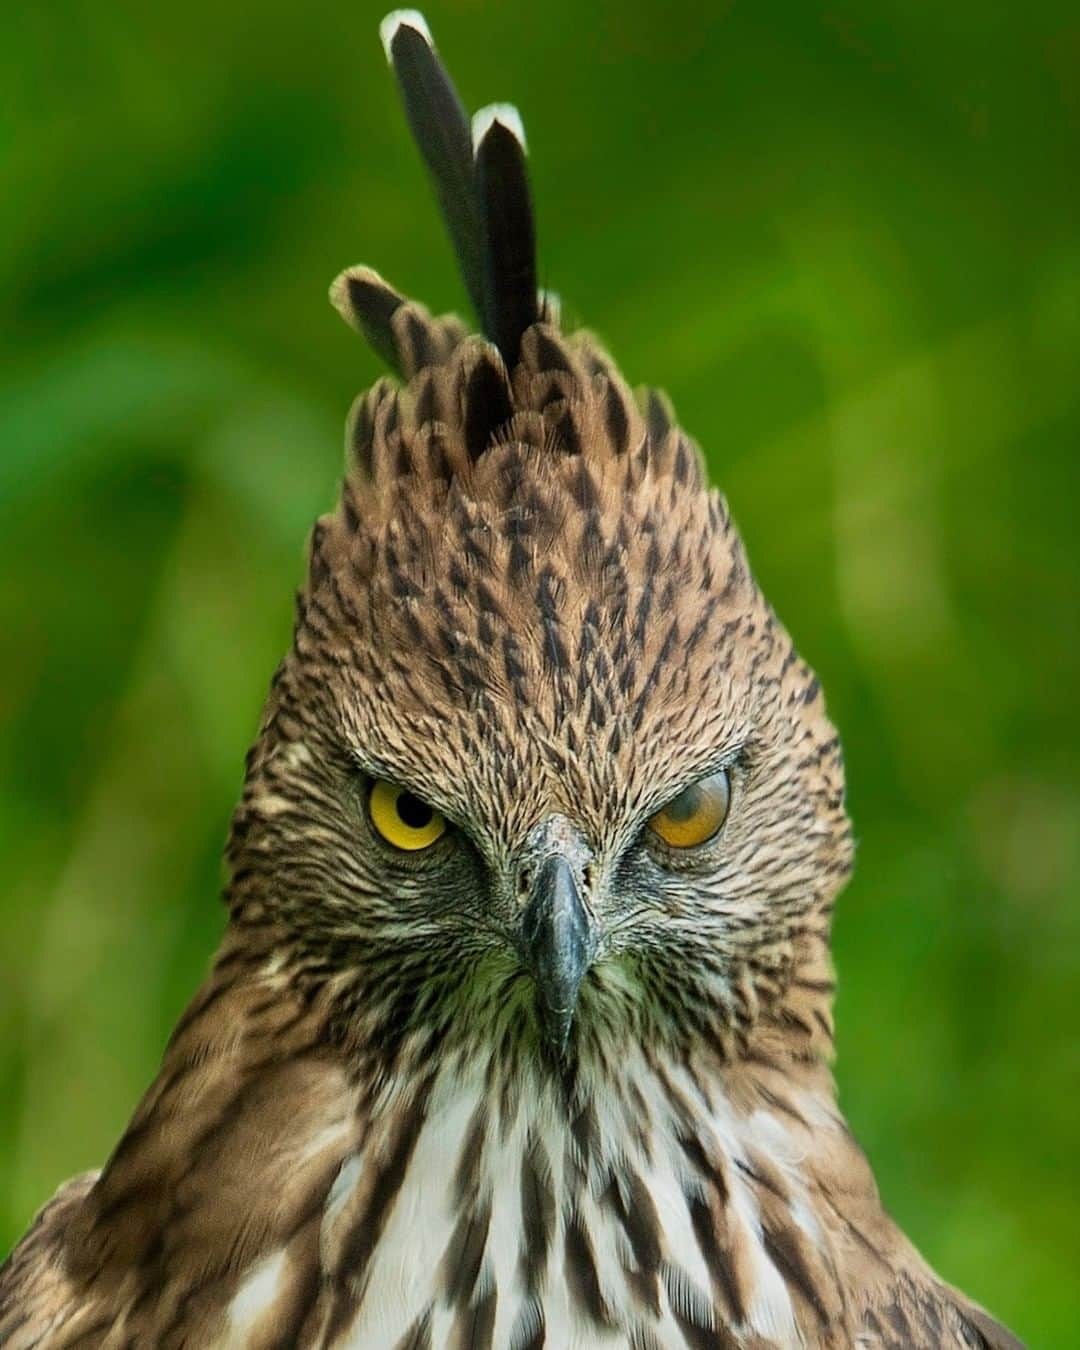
x,y
559,942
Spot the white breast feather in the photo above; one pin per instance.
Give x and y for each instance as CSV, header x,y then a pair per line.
x,y
405,1273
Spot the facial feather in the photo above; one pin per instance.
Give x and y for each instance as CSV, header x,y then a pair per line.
x,y
557,619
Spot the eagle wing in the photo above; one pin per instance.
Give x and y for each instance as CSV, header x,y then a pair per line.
x,y
913,1315
40,1304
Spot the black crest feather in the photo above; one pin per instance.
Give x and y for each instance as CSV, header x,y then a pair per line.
x,y
481,182
440,128
502,184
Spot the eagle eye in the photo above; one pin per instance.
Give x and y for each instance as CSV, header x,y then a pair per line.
x,y
403,819
697,814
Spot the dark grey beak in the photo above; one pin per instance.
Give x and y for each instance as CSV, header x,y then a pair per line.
x,y
559,943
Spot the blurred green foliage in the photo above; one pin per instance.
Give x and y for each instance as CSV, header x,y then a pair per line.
x,y
845,239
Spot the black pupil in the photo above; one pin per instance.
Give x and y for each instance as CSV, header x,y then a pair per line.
x,y
685,806
413,812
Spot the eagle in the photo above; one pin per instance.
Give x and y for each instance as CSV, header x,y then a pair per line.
x,y
519,1035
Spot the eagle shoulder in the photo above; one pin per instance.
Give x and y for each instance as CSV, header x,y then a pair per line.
x,y
912,1315
41,1304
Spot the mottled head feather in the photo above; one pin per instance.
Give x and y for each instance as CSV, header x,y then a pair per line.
x,y
529,603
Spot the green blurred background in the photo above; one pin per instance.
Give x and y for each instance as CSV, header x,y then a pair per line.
x,y
843,237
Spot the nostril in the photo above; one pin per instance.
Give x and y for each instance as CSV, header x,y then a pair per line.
x,y
524,877
588,876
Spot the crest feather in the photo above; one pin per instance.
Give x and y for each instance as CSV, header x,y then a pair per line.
x,y
481,182
465,394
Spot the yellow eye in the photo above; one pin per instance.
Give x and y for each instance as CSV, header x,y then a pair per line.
x,y
402,819
696,814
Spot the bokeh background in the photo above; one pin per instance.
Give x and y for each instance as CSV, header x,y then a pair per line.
x,y
844,236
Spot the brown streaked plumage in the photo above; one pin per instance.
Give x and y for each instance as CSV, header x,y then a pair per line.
x,y
542,1059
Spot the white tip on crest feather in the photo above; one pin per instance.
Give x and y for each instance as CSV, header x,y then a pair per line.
x,y
551,306
506,115
407,18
